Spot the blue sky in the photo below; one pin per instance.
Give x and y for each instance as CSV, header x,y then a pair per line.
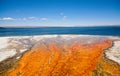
x,y
59,12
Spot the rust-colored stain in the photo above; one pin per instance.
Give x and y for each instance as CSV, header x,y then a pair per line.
x,y
56,60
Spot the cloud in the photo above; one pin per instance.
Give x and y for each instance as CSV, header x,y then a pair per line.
x,y
19,19
64,17
61,14
7,18
31,17
24,19
28,18
44,19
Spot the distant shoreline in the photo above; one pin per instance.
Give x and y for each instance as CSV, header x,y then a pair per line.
x,y
57,26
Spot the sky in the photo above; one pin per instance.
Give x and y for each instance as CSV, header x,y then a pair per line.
x,y
59,13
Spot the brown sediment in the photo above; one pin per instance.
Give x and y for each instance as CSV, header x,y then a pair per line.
x,y
106,67
62,60
6,65
9,63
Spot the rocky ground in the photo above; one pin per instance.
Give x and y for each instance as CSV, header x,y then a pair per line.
x,y
56,55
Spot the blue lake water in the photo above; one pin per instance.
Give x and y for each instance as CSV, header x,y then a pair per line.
x,y
106,30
